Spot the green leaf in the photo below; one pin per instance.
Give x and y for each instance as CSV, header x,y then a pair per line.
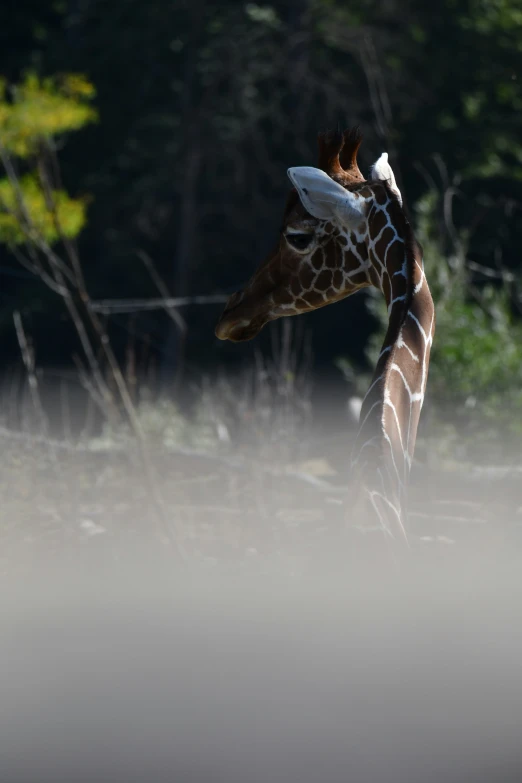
x,y
25,215
43,109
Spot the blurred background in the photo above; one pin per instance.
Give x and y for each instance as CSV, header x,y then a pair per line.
x,y
144,148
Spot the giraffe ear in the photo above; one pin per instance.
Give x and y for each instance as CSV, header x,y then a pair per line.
x,y
382,170
324,198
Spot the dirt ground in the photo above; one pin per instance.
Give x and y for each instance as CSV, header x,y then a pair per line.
x,y
234,509
221,620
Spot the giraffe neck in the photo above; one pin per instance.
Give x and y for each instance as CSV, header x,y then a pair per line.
x,y
391,409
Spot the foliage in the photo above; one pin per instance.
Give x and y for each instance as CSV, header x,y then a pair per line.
x,y
25,212
33,115
477,354
38,110
477,359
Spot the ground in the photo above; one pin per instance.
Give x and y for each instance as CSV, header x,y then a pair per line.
x,y
230,507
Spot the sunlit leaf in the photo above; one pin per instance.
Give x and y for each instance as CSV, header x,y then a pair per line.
x,y
25,215
43,109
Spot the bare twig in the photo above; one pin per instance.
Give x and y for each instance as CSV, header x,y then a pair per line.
x,y
71,271
88,385
28,360
109,306
163,290
500,274
59,273
37,269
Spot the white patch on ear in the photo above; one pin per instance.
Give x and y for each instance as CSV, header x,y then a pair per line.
x,y
382,170
324,198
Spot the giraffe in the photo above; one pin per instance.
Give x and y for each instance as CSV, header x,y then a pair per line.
x,y
341,233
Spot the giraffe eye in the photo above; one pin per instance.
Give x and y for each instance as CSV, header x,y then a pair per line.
x,y
299,241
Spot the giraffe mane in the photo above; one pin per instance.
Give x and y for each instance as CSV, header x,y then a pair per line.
x,y
410,240
412,245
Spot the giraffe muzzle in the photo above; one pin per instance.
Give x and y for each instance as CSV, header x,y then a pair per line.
x,y
242,319
226,329
238,330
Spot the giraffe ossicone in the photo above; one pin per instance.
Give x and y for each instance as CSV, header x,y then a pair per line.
x,y
341,233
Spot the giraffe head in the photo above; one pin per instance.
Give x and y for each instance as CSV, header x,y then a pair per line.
x,y
324,249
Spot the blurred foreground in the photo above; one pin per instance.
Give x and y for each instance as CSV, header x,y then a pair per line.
x,y
132,675
254,477
218,618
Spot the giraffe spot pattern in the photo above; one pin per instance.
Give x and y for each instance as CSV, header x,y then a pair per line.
x,y
378,222
380,195
318,259
359,278
306,277
338,279
295,286
286,297
324,280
